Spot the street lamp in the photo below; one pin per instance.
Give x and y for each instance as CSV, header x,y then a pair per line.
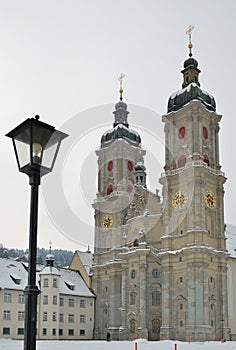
x,y
36,145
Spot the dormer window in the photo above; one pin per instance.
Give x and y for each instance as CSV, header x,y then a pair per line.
x,y
15,279
71,286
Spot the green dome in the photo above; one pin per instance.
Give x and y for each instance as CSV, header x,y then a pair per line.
x,y
120,128
189,93
190,62
120,131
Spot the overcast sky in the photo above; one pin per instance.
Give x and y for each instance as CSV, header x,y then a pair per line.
x,y
61,60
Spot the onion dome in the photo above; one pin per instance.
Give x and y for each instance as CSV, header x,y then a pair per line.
x,y
49,267
189,93
120,128
50,260
191,87
190,62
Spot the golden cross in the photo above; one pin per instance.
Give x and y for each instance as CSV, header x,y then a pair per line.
x,y
121,77
189,33
190,30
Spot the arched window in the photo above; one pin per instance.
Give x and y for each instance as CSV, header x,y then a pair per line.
x,y
109,189
132,326
206,159
204,132
110,165
132,274
156,273
181,161
130,165
132,298
182,132
156,298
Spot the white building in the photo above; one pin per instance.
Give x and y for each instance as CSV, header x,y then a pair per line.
x,y
160,266
65,302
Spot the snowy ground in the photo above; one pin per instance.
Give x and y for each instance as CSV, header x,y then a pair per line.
x,y
124,345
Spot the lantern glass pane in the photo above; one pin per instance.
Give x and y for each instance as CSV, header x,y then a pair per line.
x,y
48,156
23,153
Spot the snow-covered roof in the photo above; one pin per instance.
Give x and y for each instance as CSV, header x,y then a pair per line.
x,y
191,92
86,259
14,275
72,283
120,131
49,270
188,88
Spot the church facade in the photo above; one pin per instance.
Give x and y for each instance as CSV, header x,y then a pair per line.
x,y
160,266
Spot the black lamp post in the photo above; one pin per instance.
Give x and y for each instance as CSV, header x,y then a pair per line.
x,y
36,145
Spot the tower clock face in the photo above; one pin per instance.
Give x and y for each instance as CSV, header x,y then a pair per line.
x,y
179,200
107,221
209,199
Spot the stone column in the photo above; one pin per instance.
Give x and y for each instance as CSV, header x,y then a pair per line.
x,y
123,330
167,296
142,329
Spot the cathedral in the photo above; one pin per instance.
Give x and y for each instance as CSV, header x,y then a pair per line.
x,y
160,265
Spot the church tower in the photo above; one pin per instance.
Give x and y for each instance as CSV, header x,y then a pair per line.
x,y
119,152
194,256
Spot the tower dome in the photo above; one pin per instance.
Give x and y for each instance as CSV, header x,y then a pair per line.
x,y
190,87
190,62
120,128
